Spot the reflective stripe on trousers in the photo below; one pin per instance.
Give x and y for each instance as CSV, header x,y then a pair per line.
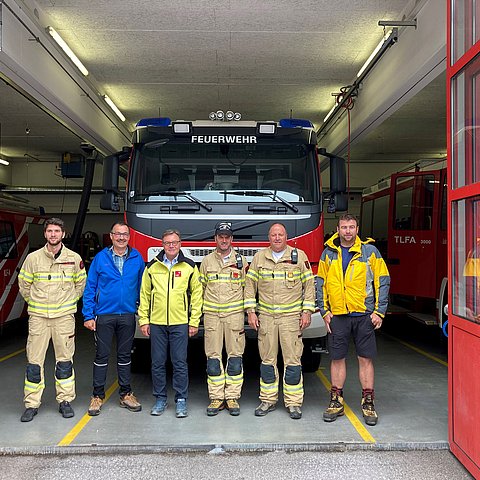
x,y
227,329
61,331
286,331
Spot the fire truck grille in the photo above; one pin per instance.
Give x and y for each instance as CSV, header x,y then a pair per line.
x,y
197,254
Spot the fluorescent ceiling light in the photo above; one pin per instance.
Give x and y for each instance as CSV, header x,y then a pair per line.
x,y
114,108
370,58
67,50
330,112
4,162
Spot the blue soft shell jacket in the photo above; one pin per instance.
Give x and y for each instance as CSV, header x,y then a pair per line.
x,y
108,292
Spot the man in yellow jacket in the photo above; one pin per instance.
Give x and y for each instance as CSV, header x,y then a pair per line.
x,y
352,294
222,274
282,278
51,281
169,312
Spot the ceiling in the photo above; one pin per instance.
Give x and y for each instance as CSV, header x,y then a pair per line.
x,y
268,60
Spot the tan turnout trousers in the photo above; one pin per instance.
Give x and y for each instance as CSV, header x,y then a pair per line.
x,y
286,329
229,329
61,331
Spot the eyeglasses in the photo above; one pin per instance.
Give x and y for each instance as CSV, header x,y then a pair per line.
x,y
171,244
119,234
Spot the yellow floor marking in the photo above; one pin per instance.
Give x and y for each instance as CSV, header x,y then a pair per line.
x,y
6,357
357,424
72,434
419,350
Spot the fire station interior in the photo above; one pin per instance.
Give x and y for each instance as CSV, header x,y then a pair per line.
x,y
267,61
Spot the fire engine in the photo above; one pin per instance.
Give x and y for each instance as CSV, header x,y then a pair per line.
x,y
21,231
406,214
191,175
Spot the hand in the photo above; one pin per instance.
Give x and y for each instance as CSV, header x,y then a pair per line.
x,y
327,319
253,320
305,320
192,331
145,330
90,324
376,320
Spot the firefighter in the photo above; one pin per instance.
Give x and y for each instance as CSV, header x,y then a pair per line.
x,y
222,274
51,281
282,278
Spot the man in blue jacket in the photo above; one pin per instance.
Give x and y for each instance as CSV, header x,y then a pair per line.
x,y
110,301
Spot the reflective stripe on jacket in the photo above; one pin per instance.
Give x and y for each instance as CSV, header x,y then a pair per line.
x,y
170,297
223,283
283,286
365,285
52,286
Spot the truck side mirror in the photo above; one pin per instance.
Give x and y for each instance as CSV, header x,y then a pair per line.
x,y
109,200
338,177
111,167
337,202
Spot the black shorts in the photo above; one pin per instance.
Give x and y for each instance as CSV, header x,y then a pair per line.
x,y
360,328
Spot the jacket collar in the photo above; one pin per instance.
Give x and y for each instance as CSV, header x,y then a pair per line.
x,y
334,243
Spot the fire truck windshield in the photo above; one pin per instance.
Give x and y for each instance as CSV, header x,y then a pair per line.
x,y
272,172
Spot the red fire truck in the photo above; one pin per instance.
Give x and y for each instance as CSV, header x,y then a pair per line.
x,y
20,231
406,215
190,175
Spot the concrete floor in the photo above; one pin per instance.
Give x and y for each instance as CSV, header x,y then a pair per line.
x,y
411,399
278,465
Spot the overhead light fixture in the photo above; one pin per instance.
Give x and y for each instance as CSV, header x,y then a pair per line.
x,y
54,34
4,161
372,56
330,112
114,107
398,23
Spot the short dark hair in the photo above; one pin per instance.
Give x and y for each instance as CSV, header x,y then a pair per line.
x,y
120,223
347,217
54,221
171,231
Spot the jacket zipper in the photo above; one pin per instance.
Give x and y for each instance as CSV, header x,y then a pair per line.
x,y
168,296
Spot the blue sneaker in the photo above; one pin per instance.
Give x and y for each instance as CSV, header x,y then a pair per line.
x,y
181,409
159,407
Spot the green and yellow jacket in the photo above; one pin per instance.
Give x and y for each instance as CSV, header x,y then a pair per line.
x,y
170,296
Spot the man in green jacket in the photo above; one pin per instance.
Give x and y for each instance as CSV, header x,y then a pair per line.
x,y
169,313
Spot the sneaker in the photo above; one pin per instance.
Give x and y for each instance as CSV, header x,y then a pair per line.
x,y
28,414
130,402
215,406
95,406
181,408
264,408
335,407
368,409
159,407
295,412
233,407
66,409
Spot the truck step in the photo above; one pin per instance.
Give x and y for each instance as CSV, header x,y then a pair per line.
x,y
423,318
